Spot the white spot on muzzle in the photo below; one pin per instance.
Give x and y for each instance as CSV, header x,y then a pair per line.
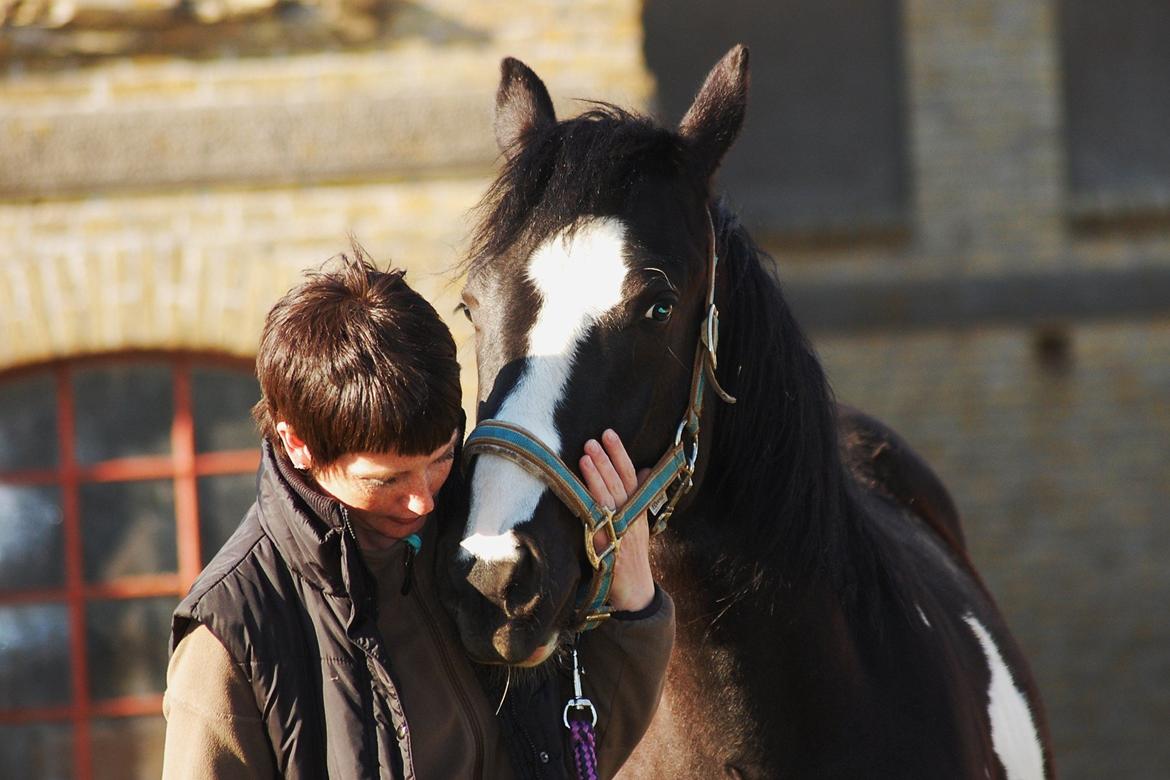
x,y
1013,732
578,280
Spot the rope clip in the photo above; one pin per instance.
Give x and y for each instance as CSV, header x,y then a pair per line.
x,y
578,702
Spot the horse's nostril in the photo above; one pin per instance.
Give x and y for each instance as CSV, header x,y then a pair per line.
x,y
523,589
513,583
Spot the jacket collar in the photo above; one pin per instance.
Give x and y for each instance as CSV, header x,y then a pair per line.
x,y
310,529
312,532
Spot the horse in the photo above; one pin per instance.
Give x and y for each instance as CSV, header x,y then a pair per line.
x,y
829,620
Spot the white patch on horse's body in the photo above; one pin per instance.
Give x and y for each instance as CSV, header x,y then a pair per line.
x,y
1013,732
579,280
922,615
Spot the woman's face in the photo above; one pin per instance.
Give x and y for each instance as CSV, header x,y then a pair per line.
x,y
388,495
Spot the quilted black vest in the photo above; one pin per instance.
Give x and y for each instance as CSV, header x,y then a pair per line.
x,y
319,670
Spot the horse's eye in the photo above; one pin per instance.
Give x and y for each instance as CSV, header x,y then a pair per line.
x,y
659,312
463,307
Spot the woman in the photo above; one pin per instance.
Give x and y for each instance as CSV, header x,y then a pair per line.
x,y
314,644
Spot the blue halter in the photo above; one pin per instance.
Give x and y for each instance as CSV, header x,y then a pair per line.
x,y
658,495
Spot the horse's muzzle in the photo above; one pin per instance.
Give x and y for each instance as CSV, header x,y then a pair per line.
x,y
501,606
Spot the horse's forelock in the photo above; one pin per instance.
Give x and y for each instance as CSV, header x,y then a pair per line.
x,y
581,167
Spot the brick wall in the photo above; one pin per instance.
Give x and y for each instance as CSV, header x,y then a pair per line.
x,y
987,158
164,202
198,270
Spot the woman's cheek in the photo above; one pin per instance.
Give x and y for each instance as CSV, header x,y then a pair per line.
x,y
442,471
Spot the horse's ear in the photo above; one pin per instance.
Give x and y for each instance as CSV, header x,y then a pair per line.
x,y
522,105
713,120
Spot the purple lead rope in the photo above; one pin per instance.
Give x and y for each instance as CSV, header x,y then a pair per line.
x,y
584,749
581,730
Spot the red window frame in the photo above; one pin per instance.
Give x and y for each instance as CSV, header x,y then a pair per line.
x,y
184,466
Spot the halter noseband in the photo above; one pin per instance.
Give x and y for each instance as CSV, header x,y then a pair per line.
x,y
659,494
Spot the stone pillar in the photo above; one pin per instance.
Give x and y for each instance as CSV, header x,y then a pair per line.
x,y
985,134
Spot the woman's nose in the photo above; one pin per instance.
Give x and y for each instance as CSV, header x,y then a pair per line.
x,y
421,503
421,499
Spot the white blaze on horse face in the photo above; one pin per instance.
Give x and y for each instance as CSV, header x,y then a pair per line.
x,y
1013,732
579,280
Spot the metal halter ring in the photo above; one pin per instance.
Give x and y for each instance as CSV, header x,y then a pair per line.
x,y
694,455
579,704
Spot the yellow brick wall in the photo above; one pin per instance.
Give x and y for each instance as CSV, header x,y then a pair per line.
x,y
89,268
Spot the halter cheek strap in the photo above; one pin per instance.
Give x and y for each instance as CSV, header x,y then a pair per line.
x,y
659,494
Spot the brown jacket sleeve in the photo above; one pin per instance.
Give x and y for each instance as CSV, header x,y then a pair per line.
x,y
625,668
214,728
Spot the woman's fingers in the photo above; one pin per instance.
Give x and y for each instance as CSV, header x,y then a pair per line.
x,y
608,472
610,477
620,460
594,482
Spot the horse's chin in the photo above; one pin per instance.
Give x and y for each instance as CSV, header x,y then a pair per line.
x,y
513,650
540,654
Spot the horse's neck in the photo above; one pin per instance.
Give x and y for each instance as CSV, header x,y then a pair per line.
x,y
726,585
741,650
714,574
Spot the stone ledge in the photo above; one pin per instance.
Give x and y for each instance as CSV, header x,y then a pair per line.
x,y
362,137
870,305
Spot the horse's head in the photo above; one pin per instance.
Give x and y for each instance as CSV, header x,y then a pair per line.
x,y
587,286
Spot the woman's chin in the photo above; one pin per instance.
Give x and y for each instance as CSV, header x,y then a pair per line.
x,y
394,529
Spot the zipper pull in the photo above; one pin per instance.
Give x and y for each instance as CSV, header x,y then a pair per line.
x,y
413,545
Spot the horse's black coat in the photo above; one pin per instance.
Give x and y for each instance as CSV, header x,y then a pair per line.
x,y
818,567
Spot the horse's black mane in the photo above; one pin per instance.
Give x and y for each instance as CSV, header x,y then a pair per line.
x,y
805,527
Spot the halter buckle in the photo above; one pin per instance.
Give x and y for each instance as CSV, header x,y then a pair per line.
x,y
685,482
614,541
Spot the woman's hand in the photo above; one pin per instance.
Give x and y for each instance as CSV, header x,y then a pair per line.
x,y
610,477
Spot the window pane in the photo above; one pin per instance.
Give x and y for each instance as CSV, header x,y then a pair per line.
x,y
128,528
126,640
223,502
34,655
1117,106
41,751
223,400
28,423
128,748
31,553
123,410
822,146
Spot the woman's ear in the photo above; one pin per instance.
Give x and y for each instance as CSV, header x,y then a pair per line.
x,y
294,446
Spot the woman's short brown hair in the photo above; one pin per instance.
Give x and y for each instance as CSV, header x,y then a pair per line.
x,y
356,361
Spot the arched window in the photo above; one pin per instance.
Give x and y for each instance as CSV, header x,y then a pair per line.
x,y
119,479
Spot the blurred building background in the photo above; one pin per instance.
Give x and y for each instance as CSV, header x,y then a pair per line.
x,y
969,203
